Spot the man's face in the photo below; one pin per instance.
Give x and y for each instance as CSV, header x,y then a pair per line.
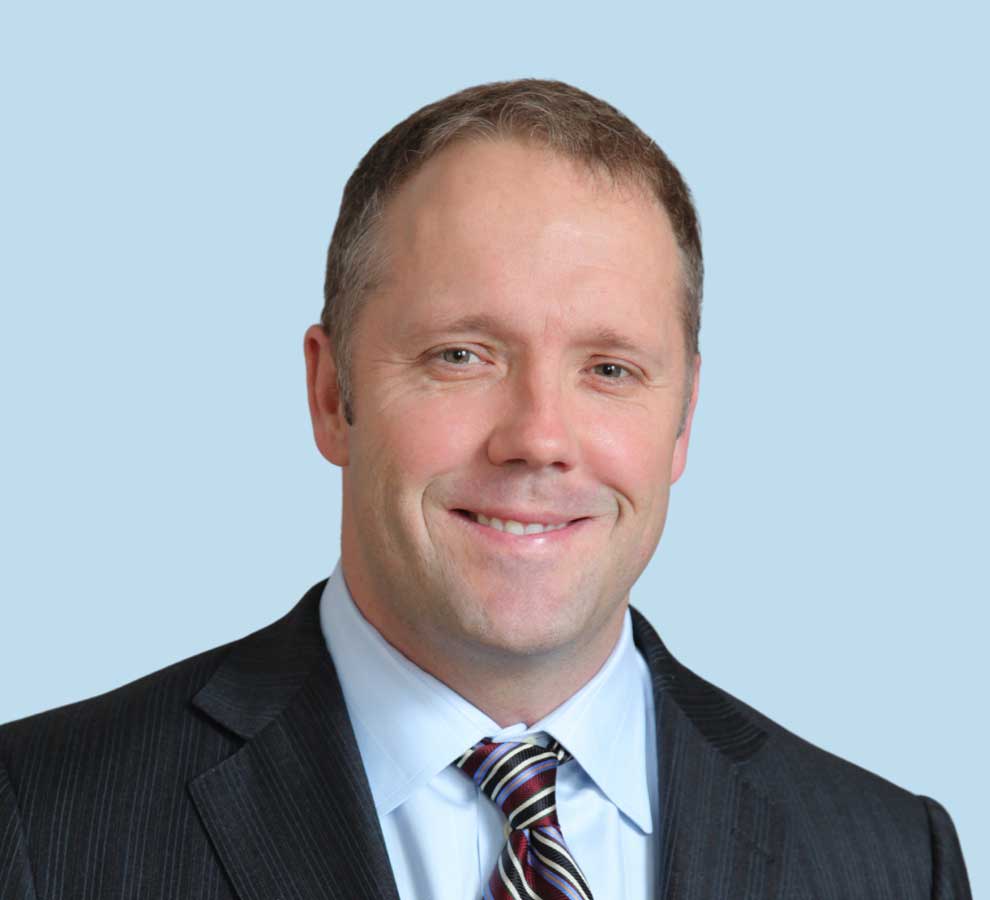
x,y
524,360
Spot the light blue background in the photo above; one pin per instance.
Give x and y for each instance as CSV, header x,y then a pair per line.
x,y
171,177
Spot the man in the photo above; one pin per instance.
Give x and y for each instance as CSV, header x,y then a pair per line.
x,y
506,373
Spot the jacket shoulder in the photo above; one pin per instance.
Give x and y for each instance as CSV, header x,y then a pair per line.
x,y
159,704
835,803
747,735
836,809
808,757
137,696
124,729
96,793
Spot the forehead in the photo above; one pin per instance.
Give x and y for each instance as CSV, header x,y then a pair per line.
x,y
508,227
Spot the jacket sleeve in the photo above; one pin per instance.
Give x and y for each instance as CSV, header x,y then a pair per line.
x,y
16,880
949,879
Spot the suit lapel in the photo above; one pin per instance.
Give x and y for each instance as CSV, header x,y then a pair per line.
x,y
290,814
719,835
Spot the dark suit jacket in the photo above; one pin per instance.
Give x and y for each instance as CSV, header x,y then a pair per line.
x,y
236,774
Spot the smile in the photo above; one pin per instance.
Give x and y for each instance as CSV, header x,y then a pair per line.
x,y
513,527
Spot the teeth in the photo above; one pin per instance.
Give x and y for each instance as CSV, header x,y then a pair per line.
x,y
514,527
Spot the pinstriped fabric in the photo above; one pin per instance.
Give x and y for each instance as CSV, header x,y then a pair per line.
x,y
101,799
15,872
520,778
948,877
234,775
749,809
291,814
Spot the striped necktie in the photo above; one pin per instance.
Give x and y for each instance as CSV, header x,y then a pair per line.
x,y
520,778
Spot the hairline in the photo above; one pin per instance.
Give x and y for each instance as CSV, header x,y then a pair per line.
x,y
371,255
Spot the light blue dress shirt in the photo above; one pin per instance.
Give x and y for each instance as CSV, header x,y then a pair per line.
x,y
442,835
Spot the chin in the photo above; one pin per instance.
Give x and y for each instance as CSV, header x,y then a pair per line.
x,y
528,631
512,646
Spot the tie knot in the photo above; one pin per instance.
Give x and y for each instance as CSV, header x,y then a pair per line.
x,y
519,777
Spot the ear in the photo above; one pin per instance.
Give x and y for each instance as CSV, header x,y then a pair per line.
x,y
679,460
326,409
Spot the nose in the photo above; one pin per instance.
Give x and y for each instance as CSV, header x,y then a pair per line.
x,y
535,424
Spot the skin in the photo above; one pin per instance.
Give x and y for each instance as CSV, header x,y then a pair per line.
x,y
533,412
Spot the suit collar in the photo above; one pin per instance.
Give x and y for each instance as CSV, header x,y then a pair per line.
x,y
262,672
291,812
720,836
710,711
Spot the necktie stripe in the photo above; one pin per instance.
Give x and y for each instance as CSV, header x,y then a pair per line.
x,y
510,768
481,755
514,763
526,804
566,888
506,883
520,777
565,873
552,846
498,764
551,835
525,772
540,814
515,879
559,854
489,761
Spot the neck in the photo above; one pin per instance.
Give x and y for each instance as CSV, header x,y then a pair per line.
x,y
508,688
521,695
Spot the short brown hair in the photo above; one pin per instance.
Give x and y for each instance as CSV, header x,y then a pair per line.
x,y
562,118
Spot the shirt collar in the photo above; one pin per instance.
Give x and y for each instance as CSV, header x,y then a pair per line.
x,y
409,726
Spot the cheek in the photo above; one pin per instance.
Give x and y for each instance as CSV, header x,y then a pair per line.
x,y
631,453
425,439
633,461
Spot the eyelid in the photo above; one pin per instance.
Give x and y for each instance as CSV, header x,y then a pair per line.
x,y
436,354
632,371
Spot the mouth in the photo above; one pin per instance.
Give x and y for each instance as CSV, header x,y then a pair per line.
x,y
511,526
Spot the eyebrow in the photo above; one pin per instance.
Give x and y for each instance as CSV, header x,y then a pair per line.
x,y
600,336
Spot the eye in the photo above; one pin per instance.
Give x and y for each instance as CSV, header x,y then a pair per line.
x,y
611,371
458,356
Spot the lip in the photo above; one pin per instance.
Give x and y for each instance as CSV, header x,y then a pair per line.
x,y
524,518
546,539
